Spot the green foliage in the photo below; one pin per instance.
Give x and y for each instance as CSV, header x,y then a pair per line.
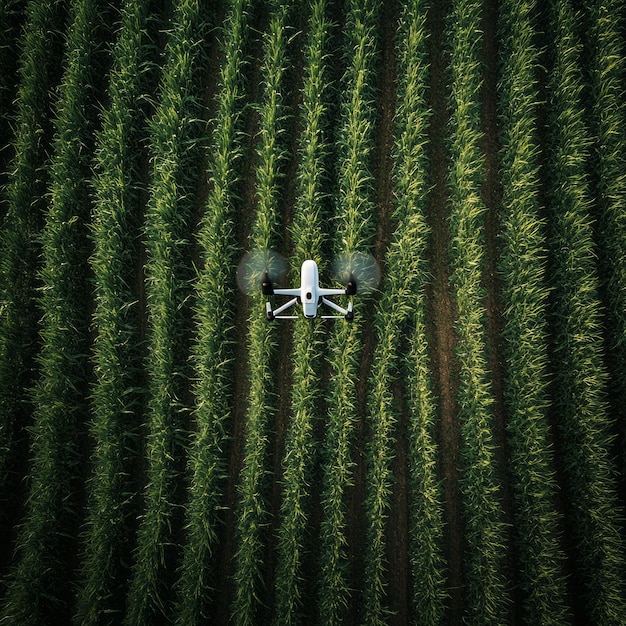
x,y
117,355
525,292
214,321
580,375
408,275
20,244
118,308
11,25
355,228
253,515
173,138
400,310
486,595
608,167
300,455
45,542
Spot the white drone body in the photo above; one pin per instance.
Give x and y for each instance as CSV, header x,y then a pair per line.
x,y
310,295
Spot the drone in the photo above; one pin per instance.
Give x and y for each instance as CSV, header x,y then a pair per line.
x,y
309,294
261,269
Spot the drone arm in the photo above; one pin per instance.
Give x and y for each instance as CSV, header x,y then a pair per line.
x,y
334,306
285,306
287,292
331,292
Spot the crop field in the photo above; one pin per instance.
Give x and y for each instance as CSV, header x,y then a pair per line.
x,y
455,455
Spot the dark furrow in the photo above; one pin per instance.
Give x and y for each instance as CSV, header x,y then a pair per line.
x,y
442,313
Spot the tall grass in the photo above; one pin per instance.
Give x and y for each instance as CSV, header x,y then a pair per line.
x,y
486,595
300,452
593,514
174,132
525,292
117,396
252,513
20,247
39,586
355,228
214,322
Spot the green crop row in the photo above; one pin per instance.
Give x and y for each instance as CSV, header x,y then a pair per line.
x,y
46,539
11,25
252,513
400,310
117,396
214,324
408,276
608,119
173,136
355,228
486,595
146,477
580,402
300,456
400,303
20,247
525,292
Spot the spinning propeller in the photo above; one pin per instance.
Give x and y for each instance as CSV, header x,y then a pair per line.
x,y
357,271
261,268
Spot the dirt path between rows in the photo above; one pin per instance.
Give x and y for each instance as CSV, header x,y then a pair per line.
x,y
442,313
397,537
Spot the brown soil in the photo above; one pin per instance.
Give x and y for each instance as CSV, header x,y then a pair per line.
x,y
442,313
492,197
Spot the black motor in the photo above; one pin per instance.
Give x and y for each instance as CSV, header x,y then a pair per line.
x,y
266,284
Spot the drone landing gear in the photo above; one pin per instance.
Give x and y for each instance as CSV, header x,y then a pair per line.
x,y
347,314
276,314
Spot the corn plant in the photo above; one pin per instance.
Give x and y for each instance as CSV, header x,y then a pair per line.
x,y
174,138
525,293
608,156
299,456
402,293
11,25
20,250
252,514
580,375
214,321
486,593
408,273
400,311
45,542
117,396
353,215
